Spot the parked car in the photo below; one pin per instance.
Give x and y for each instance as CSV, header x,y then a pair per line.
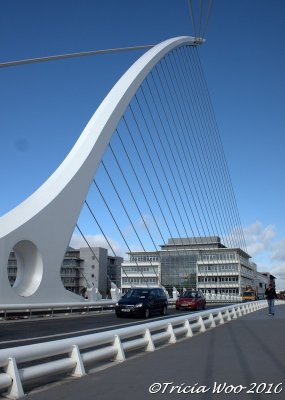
x,y
142,302
191,300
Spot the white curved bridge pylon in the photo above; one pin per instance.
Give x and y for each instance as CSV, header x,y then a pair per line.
x,y
40,228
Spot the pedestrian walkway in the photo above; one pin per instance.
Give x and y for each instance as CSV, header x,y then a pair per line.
x,y
243,359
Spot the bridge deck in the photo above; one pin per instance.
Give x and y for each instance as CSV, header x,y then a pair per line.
x,y
249,351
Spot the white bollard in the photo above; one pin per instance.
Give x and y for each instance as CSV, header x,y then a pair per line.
x,y
115,292
166,292
175,293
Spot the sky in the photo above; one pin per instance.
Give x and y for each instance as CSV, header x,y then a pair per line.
x,y
44,107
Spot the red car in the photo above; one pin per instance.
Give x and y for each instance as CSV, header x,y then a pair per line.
x,y
191,300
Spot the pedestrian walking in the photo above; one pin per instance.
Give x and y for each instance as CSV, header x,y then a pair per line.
x,y
270,296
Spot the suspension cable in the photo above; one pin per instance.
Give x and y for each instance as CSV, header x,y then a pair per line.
x,y
136,204
207,18
90,248
103,233
200,17
221,157
209,147
214,205
145,171
112,215
165,156
71,55
192,17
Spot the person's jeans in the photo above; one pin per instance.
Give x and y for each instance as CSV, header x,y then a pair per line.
x,y
271,308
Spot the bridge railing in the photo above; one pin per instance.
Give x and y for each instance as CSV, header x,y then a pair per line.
x,y
11,311
21,366
14,311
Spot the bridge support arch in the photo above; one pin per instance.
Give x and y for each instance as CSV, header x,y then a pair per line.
x,y
40,228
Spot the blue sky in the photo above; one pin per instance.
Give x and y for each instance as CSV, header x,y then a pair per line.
x,y
44,107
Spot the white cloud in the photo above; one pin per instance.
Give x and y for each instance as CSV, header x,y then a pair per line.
x,y
267,252
77,241
259,238
278,261
278,253
140,225
279,270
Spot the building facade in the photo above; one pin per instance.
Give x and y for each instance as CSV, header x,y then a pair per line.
x,y
82,268
203,263
143,269
225,271
113,271
262,283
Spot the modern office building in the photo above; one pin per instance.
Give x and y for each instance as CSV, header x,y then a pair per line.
x,y
222,270
142,269
113,271
262,282
70,271
270,278
196,262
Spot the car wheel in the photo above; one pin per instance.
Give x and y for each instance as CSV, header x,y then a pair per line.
x,y
164,310
119,315
204,306
146,313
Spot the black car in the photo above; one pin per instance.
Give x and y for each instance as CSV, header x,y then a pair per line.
x,y
142,302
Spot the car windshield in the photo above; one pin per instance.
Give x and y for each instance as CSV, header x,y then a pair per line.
x,y
141,294
190,294
248,293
